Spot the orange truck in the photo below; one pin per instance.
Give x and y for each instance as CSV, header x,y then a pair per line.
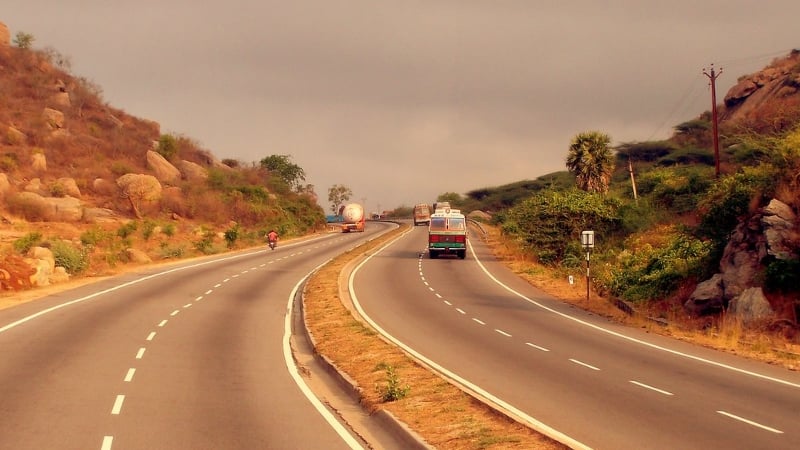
x,y
422,214
353,217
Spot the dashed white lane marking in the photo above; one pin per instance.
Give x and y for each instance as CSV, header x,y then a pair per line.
x,y
438,295
479,321
502,332
107,440
188,305
425,283
140,353
580,363
461,310
151,336
198,298
430,288
162,323
129,375
448,303
174,313
647,386
117,408
750,422
226,280
537,347
209,291
217,285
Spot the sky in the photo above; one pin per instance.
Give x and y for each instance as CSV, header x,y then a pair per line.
x,y
404,100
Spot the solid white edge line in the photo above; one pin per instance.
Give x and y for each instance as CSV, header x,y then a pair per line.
x,y
628,338
535,424
131,283
292,367
750,422
647,386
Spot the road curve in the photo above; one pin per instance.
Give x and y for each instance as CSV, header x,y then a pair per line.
x,y
587,381
191,356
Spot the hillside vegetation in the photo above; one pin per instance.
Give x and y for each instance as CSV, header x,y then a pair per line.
x,y
668,231
98,187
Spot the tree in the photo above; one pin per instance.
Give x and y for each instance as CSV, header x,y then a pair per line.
x,y
337,195
591,160
23,40
289,172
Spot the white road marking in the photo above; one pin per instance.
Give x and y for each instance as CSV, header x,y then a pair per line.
x,y
226,280
187,305
163,322
129,375
537,347
140,353
107,440
750,422
646,386
198,298
431,289
236,275
461,310
151,336
479,321
217,285
174,313
438,295
502,332
584,364
448,303
425,282
117,408
209,291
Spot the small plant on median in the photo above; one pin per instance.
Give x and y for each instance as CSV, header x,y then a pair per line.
x,y
392,390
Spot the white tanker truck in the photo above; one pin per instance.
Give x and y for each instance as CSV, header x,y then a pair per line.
x,y
353,217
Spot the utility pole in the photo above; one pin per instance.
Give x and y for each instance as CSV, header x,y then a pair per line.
x,y
713,80
633,180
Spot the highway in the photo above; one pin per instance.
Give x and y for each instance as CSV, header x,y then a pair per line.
x,y
193,355
571,374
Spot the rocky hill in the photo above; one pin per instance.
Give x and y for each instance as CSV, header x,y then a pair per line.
x,y
86,187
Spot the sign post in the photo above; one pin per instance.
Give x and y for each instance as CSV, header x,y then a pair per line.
x,y
587,241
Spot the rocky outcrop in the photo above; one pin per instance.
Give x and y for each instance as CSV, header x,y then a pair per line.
x,y
38,162
4,185
164,171
14,136
770,233
768,89
192,171
53,118
5,35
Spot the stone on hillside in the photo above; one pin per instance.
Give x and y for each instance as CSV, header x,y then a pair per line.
x,y
5,35
67,186
35,185
61,99
15,137
44,254
164,171
4,185
780,224
192,171
137,256
64,209
54,118
100,215
103,187
39,162
751,306
707,297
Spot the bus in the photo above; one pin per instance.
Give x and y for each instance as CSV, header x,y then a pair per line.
x,y
422,214
447,234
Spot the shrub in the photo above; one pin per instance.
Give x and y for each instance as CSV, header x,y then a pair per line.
x,y
168,230
127,229
167,147
23,244
57,189
392,390
782,275
231,235
147,229
95,236
8,162
74,260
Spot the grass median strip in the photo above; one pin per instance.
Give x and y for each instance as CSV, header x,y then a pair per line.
x,y
442,414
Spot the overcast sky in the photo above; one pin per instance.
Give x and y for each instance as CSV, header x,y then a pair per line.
x,y
403,100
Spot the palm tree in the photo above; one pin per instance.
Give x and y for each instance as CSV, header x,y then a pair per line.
x,y
591,160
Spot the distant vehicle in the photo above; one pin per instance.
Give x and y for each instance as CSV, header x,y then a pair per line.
x,y
447,234
334,218
422,214
353,217
440,205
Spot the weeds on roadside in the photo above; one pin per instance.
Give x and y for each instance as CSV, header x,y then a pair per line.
x,y
392,390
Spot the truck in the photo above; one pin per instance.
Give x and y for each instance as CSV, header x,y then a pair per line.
x,y
447,233
422,214
353,217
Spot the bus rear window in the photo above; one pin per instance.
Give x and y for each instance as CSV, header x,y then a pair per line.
x,y
438,224
457,224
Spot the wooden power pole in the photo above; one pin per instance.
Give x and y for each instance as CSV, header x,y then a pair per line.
x,y
713,80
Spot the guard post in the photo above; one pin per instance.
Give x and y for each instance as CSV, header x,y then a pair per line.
x,y
587,241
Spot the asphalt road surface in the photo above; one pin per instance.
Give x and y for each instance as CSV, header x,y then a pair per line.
x,y
189,356
573,375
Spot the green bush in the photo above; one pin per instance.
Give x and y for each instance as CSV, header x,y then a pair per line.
x,y
74,260
782,275
25,243
148,227
231,235
127,229
392,390
649,272
95,236
167,146
168,230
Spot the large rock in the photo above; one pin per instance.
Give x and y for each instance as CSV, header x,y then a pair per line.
x,y
100,215
779,223
15,137
64,209
4,185
38,162
164,171
751,306
707,297
68,186
192,171
54,118
5,35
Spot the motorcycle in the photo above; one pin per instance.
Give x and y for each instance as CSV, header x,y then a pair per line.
x,y
272,244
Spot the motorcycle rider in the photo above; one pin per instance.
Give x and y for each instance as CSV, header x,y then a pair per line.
x,y
272,238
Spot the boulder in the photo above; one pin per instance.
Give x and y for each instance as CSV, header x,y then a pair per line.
x,y
779,224
751,306
54,118
192,171
35,185
61,99
103,186
4,185
69,186
15,137
100,215
707,298
64,209
38,162
164,171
